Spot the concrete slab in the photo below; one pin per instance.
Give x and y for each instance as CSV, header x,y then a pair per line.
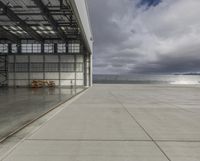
x,y
149,106
86,151
99,97
93,105
77,123
181,151
169,123
114,122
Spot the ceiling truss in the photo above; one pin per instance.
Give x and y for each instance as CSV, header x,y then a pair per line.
x,y
38,20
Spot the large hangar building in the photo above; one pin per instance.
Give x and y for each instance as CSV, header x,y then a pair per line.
x,y
45,40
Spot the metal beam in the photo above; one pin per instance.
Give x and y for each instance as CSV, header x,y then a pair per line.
x,y
6,34
12,16
38,14
45,11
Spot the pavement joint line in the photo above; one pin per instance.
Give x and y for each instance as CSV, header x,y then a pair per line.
x,y
68,101
133,117
93,140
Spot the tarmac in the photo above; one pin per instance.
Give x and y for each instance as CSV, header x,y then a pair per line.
x,y
118,123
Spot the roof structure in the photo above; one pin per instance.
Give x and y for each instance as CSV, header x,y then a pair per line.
x,y
38,20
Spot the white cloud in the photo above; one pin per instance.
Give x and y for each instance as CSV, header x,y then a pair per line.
x,y
132,39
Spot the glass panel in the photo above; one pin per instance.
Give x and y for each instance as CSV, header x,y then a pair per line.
x,y
31,48
61,48
14,48
3,48
36,67
48,48
74,48
51,67
67,67
22,67
79,67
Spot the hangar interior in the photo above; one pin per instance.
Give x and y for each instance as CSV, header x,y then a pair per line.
x,y
43,40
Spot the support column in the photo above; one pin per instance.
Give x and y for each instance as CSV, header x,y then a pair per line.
x,y
59,69
90,70
29,70
14,70
56,53
43,62
85,69
7,61
75,70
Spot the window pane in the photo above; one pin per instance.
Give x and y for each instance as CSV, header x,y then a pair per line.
x,y
61,48
31,48
36,67
67,67
74,48
11,67
36,48
79,67
22,67
51,67
14,48
48,48
3,48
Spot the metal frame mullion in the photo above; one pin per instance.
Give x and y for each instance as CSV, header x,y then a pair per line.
x,y
75,70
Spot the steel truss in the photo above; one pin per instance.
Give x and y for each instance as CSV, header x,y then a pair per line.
x,y
38,21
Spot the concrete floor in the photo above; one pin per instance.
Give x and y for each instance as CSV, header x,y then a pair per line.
x,y
120,123
21,105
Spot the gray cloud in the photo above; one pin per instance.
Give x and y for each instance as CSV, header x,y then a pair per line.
x,y
161,39
168,64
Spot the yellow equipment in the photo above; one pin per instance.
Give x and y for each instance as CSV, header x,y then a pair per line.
x,y
42,83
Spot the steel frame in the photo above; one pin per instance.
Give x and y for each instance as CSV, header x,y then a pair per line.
x,y
12,16
49,17
8,35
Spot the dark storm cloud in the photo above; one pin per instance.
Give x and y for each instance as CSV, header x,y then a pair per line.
x,y
106,31
161,39
169,65
149,2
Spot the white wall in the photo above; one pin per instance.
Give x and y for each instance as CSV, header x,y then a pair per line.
x,y
66,78
81,10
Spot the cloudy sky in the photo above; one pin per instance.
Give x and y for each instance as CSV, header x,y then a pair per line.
x,y
145,36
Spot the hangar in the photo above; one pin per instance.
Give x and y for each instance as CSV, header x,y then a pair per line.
x,y
45,40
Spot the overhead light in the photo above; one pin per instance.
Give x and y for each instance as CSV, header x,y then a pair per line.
x,y
41,28
5,27
39,32
34,27
63,28
20,32
45,32
52,32
14,28
48,28
19,28
13,32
